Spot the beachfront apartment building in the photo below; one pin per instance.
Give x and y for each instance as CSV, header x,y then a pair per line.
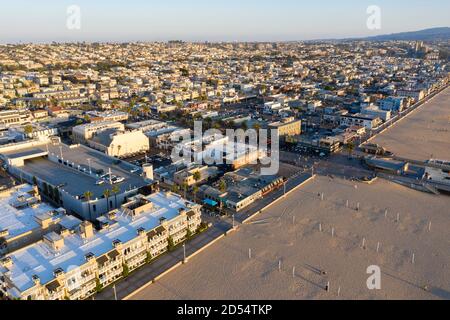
x,y
76,262
369,122
375,111
417,95
24,218
393,104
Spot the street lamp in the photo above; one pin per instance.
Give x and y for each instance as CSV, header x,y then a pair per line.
x,y
89,162
115,292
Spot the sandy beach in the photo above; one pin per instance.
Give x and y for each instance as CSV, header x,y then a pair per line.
x,y
290,232
424,134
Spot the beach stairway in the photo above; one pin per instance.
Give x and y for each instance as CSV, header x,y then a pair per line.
x,y
431,189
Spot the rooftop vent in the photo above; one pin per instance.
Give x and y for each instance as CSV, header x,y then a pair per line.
x,y
58,272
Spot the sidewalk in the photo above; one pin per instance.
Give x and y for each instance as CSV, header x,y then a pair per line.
x,y
148,273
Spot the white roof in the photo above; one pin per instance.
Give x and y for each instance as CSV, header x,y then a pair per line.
x,y
39,259
20,221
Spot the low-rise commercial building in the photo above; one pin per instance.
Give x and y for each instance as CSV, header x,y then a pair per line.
x,y
287,127
244,187
120,144
85,132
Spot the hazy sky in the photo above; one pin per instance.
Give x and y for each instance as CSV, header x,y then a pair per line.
x,y
212,20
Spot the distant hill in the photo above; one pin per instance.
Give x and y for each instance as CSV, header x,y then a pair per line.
x,y
422,35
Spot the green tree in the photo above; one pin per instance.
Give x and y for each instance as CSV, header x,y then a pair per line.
x,y
98,285
126,270
116,191
175,188
185,187
222,185
195,191
107,194
28,129
149,258
88,195
350,149
35,181
197,176
170,244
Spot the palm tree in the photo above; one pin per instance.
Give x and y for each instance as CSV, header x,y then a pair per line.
x,y
197,176
350,149
185,187
222,186
107,194
146,110
88,195
175,188
115,190
195,190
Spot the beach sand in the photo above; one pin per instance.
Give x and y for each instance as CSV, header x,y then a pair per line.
x,y
424,134
224,271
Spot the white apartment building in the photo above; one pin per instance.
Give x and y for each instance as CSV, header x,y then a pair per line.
x,y
367,122
77,261
375,111
417,95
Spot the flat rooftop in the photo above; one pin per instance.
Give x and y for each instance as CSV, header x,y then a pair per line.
x,y
41,260
71,179
19,221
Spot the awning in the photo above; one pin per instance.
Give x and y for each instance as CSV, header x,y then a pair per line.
x,y
210,202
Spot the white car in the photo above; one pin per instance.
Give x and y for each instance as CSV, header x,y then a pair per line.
x,y
116,180
100,182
